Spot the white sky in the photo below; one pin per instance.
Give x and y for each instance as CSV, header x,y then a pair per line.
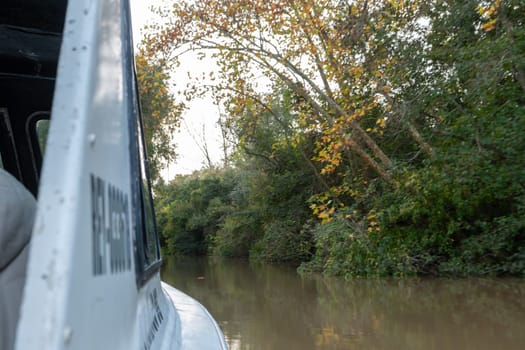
x,y
198,114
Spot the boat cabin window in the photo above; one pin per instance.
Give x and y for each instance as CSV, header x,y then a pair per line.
x,y
41,130
149,237
147,242
37,128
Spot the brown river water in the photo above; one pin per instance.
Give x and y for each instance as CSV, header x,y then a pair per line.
x,y
271,307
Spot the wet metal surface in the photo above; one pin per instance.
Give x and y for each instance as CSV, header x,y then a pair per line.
x,y
272,308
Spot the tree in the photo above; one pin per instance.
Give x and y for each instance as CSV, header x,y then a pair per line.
x,y
304,45
161,114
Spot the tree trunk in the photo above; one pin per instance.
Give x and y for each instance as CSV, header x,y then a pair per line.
x,y
370,162
417,136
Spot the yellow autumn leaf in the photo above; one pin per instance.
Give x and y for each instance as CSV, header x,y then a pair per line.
x,y
481,10
490,25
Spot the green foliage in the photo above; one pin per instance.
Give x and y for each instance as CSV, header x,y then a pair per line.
x,y
190,208
340,251
237,234
447,198
283,241
459,212
160,113
257,209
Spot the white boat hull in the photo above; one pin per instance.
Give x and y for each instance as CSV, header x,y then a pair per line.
x,y
93,278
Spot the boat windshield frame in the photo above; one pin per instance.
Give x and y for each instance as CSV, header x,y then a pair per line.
x,y
147,248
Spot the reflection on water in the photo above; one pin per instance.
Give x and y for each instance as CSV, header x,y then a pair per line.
x,y
270,307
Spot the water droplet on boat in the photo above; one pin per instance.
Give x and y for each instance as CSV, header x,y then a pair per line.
x,y
92,138
68,334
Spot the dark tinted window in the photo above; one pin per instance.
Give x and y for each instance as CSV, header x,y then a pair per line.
x,y
45,15
149,233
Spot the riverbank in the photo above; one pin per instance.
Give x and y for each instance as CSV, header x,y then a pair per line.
x,y
437,225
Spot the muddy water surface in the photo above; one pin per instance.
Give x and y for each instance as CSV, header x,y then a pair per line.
x,y
268,307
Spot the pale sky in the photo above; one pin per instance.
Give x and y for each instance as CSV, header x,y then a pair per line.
x,y
199,113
